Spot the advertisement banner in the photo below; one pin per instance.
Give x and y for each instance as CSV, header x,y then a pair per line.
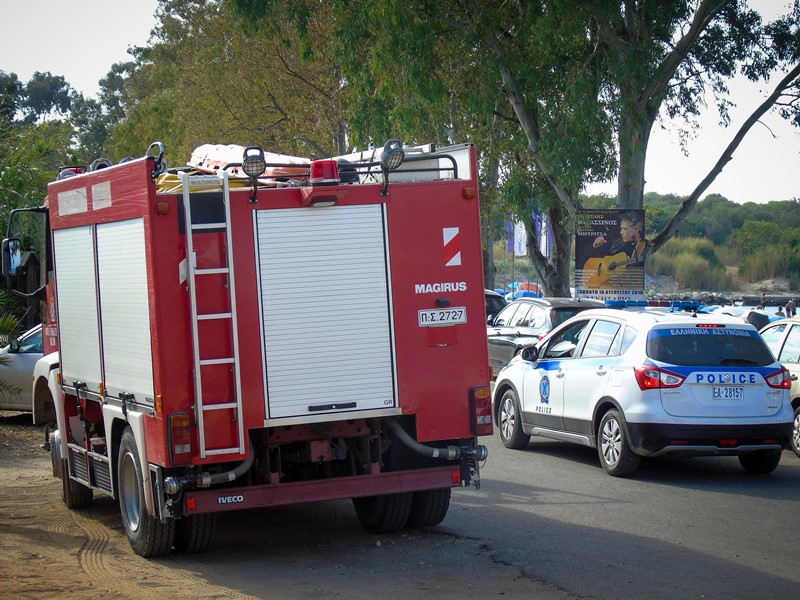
x,y
544,233
520,239
609,254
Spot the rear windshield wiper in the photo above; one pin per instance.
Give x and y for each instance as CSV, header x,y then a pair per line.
x,y
737,361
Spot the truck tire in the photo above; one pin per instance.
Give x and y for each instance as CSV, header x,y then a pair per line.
x,y
383,514
148,535
428,508
194,534
73,494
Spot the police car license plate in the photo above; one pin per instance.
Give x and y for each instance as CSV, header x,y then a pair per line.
x,y
442,316
727,392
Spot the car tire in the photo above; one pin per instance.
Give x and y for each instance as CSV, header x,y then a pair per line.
x,y
796,432
760,463
616,456
510,422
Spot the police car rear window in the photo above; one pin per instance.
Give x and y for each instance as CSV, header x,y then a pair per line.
x,y
696,346
561,314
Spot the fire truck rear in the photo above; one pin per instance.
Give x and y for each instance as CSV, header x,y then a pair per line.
x,y
262,332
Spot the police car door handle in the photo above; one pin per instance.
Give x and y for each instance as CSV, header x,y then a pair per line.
x,y
601,371
560,373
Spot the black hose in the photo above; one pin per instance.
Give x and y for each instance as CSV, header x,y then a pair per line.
x,y
449,453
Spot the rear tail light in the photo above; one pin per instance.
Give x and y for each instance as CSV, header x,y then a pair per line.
x,y
779,379
650,377
480,400
180,439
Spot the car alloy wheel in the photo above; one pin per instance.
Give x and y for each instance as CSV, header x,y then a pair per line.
x,y
511,433
615,453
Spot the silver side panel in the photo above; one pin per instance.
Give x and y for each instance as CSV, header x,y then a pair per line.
x,y
325,310
79,339
125,314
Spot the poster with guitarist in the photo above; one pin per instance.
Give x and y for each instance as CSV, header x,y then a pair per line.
x,y
609,254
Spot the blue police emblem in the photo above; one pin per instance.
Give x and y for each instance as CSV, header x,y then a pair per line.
x,y
544,390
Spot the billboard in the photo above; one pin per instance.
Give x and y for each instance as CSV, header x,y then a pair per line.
x,y
609,254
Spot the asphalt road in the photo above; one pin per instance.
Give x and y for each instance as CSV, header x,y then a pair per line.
x,y
691,528
547,524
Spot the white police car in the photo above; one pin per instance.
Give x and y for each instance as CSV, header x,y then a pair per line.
x,y
649,383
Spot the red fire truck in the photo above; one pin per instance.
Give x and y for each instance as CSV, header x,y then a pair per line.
x,y
257,333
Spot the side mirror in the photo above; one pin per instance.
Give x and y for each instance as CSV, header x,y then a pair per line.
x,y
14,346
531,353
12,257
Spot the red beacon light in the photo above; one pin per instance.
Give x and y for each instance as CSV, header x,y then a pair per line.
x,y
324,172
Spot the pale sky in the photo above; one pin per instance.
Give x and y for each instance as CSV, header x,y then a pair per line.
x,y
81,39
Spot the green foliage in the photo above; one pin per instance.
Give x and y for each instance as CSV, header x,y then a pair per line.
x,y
10,89
693,262
29,159
210,76
45,94
754,235
775,260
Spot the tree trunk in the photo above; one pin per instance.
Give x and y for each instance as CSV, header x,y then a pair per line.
x,y
553,268
488,195
634,135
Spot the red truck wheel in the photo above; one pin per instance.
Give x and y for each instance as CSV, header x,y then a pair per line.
x,y
383,514
74,494
193,534
428,508
147,535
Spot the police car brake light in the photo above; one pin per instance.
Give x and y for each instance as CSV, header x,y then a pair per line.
x,y
649,377
781,379
709,325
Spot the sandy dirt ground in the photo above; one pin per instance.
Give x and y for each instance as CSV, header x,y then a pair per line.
x,y
307,551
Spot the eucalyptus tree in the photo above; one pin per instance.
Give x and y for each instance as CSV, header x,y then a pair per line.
x,y
206,77
575,86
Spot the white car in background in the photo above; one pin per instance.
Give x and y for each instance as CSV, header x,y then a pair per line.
x,y
20,357
649,383
783,338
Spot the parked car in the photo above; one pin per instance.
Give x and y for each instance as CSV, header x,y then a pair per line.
x,y
523,322
494,303
21,355
783,338
649,383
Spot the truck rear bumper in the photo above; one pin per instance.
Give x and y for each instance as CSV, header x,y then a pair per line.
x,y
239,498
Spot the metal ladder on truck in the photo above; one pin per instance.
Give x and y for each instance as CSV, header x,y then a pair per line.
x,y
202,407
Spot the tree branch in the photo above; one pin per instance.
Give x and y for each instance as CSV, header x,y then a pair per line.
x,y
531,128
706,12
688,204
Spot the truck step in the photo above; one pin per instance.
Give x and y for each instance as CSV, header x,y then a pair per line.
x,y
211,316
202,226
211,452
211,271
220,406
216,361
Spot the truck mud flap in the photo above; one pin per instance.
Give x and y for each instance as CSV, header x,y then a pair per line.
x,y
239,498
